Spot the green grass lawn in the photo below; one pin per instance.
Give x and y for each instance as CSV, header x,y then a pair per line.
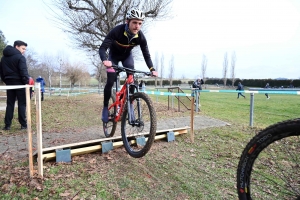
x,y
226,106
205,169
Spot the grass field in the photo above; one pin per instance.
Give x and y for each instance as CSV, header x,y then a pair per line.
x,y
205,169
227,107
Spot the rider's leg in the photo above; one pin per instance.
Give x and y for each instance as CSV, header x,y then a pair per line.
x,y
128,61
111,76
107,94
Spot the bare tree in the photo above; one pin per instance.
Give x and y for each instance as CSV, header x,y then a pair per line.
x,y
203,67
225,69
171,70
85,78
32,63
75,72
162,61
156,61
88,21
3,43
233,60
100,70
49,65
61,59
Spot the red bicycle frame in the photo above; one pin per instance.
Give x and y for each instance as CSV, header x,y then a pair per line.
x,y
121,97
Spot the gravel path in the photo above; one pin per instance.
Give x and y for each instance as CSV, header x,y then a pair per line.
x,y
16,146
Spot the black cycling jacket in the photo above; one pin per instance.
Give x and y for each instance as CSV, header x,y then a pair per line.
x,y
13,66
118,43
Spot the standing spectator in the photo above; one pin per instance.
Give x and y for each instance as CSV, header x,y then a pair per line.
x,y
141,84
31,82
42,82
14,71
240,88
266,87
197,85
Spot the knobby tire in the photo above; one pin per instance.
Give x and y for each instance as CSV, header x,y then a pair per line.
x,y
109,128
269,167
148,121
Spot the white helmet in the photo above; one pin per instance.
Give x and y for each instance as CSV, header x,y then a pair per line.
x,y
135,13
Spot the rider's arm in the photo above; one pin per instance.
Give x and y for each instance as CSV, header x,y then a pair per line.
x,y
104,46
111,36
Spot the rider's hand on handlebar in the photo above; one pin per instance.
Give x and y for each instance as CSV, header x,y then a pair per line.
x,y
154,73
107,63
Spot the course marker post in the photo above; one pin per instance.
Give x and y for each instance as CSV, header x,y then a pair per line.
x,y
39,128
192,120
29,132
251,109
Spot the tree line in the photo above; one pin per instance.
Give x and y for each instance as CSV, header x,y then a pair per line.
x,y
274,83
288,83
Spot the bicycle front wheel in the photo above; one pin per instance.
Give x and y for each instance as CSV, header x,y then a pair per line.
x,y
109,128
269,167
139,136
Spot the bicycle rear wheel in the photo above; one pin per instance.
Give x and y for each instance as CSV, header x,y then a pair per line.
x,y
269,167
144,125
109,128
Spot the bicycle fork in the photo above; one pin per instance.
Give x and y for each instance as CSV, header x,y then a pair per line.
x,y
131,120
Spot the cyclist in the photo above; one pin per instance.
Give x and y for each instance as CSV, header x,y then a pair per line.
x,y
120,41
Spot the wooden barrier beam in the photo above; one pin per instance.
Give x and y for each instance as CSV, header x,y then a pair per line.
x,y
97,141
94,145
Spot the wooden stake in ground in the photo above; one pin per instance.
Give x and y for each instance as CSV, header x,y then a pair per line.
x,y
192,119
39,128
29,132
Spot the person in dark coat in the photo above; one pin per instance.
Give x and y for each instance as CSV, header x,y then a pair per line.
x,y
240,88
13,70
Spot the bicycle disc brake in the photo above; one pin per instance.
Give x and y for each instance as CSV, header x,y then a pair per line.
x,y
139,125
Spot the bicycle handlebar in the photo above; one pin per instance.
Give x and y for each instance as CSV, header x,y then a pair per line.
x,y
124,69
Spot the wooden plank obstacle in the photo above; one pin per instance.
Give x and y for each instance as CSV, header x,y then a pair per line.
x,y
90,146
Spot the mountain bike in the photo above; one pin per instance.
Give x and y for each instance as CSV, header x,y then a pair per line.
x,y
269,167
136,112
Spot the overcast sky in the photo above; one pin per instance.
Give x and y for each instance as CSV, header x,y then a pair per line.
x,y
264,34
